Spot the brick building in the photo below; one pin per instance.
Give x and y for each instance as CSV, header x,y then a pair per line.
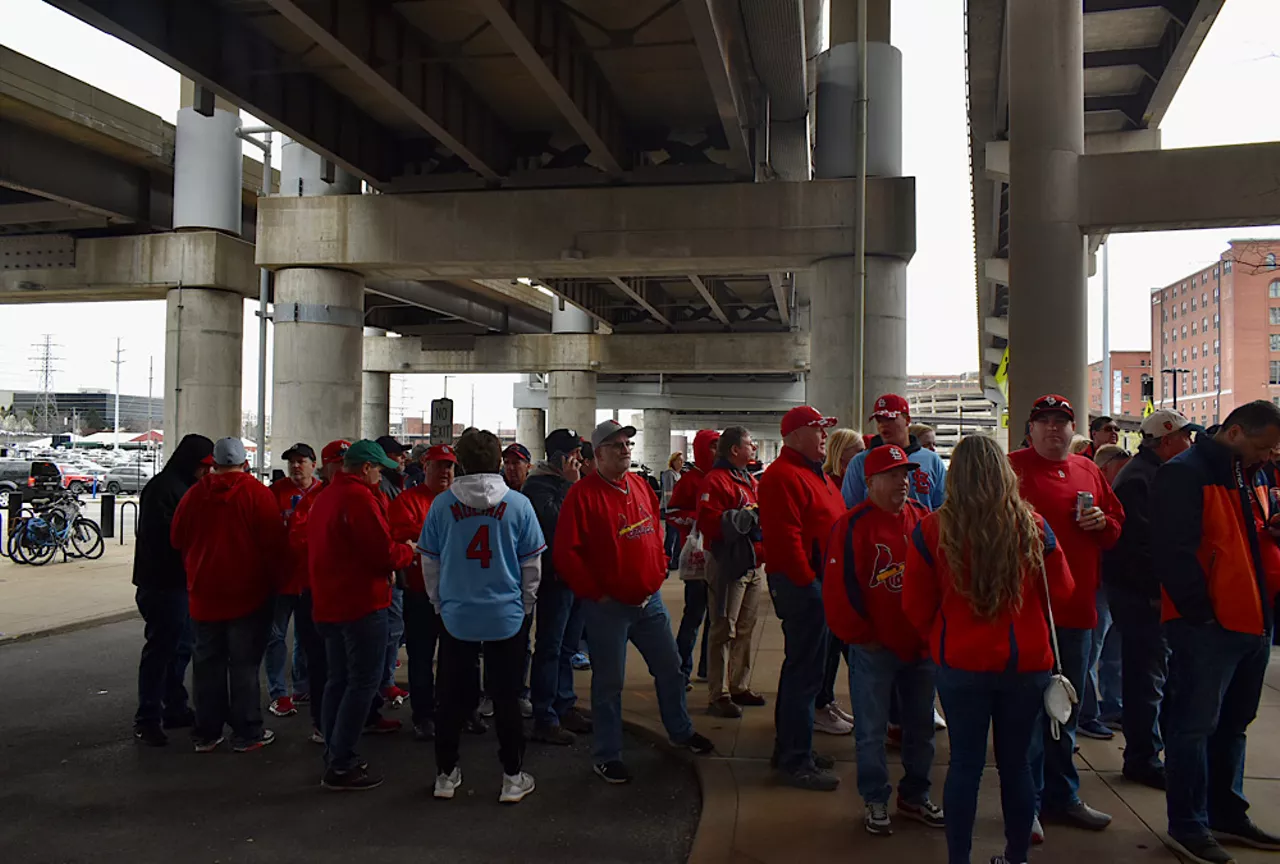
x,y
1127,369
1220,328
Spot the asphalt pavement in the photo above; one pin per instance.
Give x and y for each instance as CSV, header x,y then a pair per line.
x,y
74,787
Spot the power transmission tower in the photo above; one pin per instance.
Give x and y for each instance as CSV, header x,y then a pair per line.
x,y
45,415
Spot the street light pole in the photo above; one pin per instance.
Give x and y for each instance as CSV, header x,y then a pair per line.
x,y
1174,372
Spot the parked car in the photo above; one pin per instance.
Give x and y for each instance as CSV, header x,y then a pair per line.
x,y
126,478
80,478
26,474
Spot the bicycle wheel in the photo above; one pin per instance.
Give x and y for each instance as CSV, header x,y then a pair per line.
x,y
38,551
86,538
13,548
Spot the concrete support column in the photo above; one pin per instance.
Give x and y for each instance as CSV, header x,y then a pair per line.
x,y
1048,308
531,431
375,398
203,338
319,354
657,439
571,401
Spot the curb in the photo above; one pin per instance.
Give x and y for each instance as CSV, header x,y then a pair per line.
x,y
83,624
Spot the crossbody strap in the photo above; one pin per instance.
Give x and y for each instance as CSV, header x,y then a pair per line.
x,y
1053,630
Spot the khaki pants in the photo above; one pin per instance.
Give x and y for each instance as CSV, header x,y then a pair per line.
x,y
731,633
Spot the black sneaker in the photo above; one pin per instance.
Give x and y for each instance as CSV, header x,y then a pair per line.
x,y
152,736
1147,775
424,731
1201,850
475,725
576,722
180,720
811,778
699,744
824,763
1247,834
356,780
546,733
613,772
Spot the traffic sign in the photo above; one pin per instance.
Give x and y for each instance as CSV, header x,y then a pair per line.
x,y
441,421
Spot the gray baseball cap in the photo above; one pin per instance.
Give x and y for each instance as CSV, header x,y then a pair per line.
x,y
228,452
607,430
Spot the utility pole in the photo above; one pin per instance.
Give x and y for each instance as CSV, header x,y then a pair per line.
x,y
1175,372
151,421
1106,330
473,405
116,423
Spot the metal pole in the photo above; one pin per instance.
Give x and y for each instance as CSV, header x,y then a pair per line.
x,y
151,419
860,226
1106,330
116,421
264,297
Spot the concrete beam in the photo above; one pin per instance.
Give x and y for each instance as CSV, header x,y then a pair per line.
x,y
1200,187
717,33
142,267
708,294
996,326
997,270
997,152
683,396
615,354
447,299
609,231
638,294
780,298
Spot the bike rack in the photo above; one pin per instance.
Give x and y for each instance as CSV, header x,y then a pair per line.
x,y
134,505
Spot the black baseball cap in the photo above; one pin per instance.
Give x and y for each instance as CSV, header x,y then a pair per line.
x,y
300,449
563,441
390,446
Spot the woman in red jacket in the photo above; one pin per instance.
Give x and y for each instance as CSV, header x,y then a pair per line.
x,y
973,587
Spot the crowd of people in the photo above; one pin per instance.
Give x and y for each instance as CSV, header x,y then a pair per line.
x,y
1140,586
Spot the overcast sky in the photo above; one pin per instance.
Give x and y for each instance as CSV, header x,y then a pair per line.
x,y
1226,98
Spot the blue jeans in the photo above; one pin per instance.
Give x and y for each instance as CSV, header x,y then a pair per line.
x,y
1013,702
1101,698
1053,764
805,636
1215,682
225,667
671,545
551,682
878,671
273,659
1145,655
356,651
421,635
610,625
166,652
693,617
395,634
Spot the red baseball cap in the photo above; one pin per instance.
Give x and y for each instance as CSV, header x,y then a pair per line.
x,y
889,406
802,416
442,453
886,457
1051,403
208,460
334,451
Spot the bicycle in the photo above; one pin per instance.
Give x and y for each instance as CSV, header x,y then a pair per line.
x,y
51,528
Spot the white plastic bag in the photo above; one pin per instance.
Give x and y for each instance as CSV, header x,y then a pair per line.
x,y
693,558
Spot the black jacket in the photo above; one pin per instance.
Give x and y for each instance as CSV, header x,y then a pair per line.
x,y
156,564
1128,564
546,491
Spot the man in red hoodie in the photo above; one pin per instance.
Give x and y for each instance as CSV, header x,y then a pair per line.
x,y
862,593
681,511
609,552
352,558
798,505
231,537
1052,479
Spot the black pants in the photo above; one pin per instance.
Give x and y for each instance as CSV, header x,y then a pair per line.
x,y
304,630
224,675
421,633
505,660
165,655
1144,666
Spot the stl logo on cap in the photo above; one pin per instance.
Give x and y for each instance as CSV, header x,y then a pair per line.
x,y
1168,425
880,403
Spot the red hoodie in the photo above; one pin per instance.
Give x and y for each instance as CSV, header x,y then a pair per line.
x,y
232,538
724,489
798,506
406,516
960,639
1051,488
862,587
607,542
350,551
682,507
295,505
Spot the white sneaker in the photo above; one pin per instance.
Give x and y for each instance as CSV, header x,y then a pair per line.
x,y
515,787
447,784
840,712
939,723
828,721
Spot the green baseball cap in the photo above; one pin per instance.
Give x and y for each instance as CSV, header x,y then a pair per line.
x,y
364,451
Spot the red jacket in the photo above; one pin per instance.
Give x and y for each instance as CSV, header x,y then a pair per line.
x,y
295,506
350,552
798,506
724,489
232,538
1051,488
607,541
682,506
862,588
406,516
960,639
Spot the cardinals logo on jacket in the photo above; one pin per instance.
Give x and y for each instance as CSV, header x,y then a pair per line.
x,y
635,529
886,571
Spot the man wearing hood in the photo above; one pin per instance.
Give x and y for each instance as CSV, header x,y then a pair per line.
x,y
681,509
391,485
555,719
481,551
892,416
231,536
162,595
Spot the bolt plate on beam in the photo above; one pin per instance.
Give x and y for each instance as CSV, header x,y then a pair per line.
x,y
38,252
317,313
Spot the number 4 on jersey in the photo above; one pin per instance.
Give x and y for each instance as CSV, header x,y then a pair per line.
x,y
478,548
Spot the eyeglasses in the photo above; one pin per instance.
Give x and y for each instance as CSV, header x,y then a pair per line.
x,y
621,445
1111,428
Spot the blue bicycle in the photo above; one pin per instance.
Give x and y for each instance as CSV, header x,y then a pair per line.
x,y
56,526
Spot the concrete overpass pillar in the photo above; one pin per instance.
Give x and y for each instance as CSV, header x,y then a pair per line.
x,y
318,357
531,431
1048,309
375,397
657,439
202,364
571,396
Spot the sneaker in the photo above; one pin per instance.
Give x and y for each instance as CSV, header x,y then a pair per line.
x,y
840,712
828,721
1081,815
447,784
475,725
826,763
258,743
699,744
612,772
924,811
152,736
748,699
688,686
580,662
1095,730
382,726
1037,831
576,722
181,720
394,695
1115,724
515,787
208,745
939,722
424,731
316,737
526,708
1000,859
1248,834
356,780
282,707
811,778
724,707
1147,775
893,736
301,698
486,707
549,733
1201,850
876,820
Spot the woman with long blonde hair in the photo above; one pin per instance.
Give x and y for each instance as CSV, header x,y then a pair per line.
x,y
974,588
842,446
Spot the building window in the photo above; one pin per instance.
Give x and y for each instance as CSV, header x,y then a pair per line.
x,y
1175,313
1204,379
1126,397
1193,304
1274,288
1204,349
1215,321
1126,379
1271,260
1215,293
1184,331
1275,371
1193,328
1215,347
1164,314
1226,266
1275,342
1275,314
1204,323
1193,352
1184,307
1184,356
